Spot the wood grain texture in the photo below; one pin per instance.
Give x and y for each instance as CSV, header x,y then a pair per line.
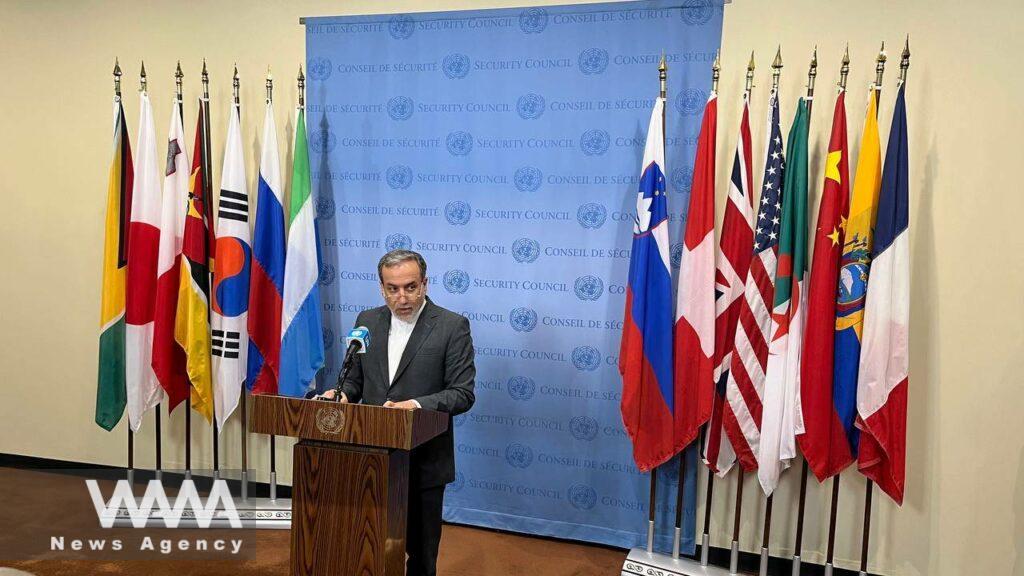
x,y
362,424
348,511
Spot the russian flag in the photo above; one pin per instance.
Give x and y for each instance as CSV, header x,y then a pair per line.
x,y
884,359
267,276
645,356
302,342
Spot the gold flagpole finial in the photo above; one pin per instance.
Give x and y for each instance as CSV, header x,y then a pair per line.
x,y
270,86
178,75
880,67
662,76
777,68
750,76
716,71
117,78
235,84
142,77
812,74
905,61
206,82
302,88
844,70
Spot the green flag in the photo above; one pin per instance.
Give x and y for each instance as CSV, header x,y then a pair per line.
x,y
793,230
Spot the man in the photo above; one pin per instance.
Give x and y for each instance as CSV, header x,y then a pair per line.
x,y
421,356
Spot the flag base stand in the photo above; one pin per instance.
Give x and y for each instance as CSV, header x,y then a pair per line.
x,y
796,565
828,569
255,513
763,570
640,562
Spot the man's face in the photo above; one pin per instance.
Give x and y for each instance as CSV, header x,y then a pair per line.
x,y
403,288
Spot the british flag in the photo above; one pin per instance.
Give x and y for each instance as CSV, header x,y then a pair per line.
x,y
744,387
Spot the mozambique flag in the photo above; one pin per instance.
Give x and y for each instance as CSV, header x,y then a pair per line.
x,y
111,396
192,321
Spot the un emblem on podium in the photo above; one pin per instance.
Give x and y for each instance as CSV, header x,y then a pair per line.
x,y
330,420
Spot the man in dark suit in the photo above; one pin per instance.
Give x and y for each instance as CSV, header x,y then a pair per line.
x,y
420,356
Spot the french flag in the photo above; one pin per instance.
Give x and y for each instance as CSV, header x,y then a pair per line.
x,y
884,359
267,275
645,357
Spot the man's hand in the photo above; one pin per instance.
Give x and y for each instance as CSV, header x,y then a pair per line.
x,y
404,405
329,395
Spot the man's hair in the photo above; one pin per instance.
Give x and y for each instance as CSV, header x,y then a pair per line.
x,y
396,257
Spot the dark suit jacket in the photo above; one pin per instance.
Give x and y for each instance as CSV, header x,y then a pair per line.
x,y
436,370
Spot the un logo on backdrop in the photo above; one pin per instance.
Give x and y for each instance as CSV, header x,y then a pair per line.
x,y
594,142
533,20
698,14
583,428
328,336
399,177
589,287
530,106
586,358
401,26
521,387
320,68
518,455
456,281
322,141
525,250
459,420
460,143
676,254
398,240
528,179
682,177
324,207
582,497
457,212
327,274
458,484
522,319
691,101
593,61
591,215
400,108
455,66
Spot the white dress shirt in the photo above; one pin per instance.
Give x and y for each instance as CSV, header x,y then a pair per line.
x,y
398,339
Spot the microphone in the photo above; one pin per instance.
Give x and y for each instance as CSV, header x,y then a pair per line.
x,y
357,341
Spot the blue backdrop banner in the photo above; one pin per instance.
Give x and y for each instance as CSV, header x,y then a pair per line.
x,y
505,146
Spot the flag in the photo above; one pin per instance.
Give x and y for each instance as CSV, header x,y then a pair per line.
x,y
853,274
645,355
142,389
302,341
110,386
267,277
192,320
744,390
824,441
168,357
884,360
695,295
229,299
781,405
730,276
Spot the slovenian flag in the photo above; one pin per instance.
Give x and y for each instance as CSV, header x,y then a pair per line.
x,y
645,356
267,278
302,344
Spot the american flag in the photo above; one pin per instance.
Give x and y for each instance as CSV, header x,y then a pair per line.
x,y
730,276
744,389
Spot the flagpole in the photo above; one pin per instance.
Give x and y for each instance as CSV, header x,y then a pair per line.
x,y
241,393
273,455
812,75
763,566
131,435
178,75
844,71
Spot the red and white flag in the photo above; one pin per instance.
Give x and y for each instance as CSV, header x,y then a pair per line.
x,y
730,277
695,295
744,390
141,387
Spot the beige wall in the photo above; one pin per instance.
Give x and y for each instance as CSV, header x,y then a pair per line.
x,y
964,512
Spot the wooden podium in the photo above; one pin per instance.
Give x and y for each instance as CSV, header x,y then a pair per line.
x,y
350,479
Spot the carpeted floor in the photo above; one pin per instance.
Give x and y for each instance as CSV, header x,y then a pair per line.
x,y
38,506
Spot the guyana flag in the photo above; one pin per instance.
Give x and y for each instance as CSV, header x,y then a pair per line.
x,y
110,390
192,320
